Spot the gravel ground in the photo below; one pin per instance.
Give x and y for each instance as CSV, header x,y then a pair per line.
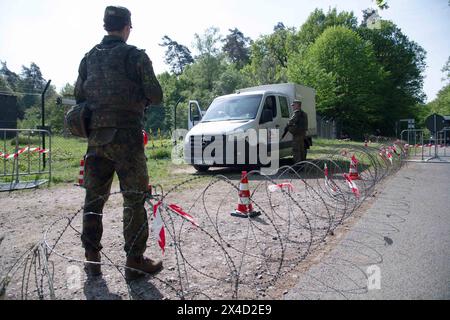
x,y
223,258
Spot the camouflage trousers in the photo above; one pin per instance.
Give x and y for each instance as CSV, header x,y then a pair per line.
x,y
298,148
125,156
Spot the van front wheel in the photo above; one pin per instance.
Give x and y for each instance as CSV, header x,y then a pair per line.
x,y
200,168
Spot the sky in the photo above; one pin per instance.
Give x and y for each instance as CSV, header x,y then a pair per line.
x,y
55,34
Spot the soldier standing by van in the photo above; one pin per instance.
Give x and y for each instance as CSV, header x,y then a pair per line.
x,y
117,82
298,125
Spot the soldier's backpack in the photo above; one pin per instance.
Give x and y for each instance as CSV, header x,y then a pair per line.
x,y
77,120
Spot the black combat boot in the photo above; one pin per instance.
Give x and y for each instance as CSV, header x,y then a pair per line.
x,y
143,264
92,269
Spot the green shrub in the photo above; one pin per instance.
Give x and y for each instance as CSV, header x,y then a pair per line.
x,y
25,140
160,153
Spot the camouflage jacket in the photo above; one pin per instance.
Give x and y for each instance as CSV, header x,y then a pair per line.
x,y
298,123
118,82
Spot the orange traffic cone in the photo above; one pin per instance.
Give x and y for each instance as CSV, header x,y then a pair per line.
x,y
81,174
244,207
353,172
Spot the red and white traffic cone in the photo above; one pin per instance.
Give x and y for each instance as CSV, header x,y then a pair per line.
x,y
244,207
353,172
394,149
144,137
389,155
81,174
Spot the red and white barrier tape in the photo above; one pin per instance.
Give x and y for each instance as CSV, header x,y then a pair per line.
x,y
179,210
158,224
29,149
275,187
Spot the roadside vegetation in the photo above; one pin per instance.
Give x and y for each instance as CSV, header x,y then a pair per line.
x,y
67,153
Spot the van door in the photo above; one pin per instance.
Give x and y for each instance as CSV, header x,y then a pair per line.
x,y
285,114
195,114
270,103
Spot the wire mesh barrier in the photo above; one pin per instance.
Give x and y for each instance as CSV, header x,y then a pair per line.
x,y
211,254
434,148
326,128
25,157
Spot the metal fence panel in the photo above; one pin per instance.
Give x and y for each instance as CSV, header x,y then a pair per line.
x,y
25,158
434,150
326,128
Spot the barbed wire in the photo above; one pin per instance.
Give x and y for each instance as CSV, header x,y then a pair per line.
x,y
225,256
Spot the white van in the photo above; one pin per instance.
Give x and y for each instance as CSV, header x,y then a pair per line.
x,y
261,107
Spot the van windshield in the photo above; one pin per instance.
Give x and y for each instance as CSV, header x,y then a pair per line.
x,y
233,108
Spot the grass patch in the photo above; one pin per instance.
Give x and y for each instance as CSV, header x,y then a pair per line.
x,y
324,148
160,153
66,155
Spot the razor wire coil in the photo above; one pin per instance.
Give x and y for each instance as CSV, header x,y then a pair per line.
x,y
247,257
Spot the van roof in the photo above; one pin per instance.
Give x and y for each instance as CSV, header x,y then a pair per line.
x,y
247,93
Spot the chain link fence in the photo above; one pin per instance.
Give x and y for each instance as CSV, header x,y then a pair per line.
x,y
26,158
327,128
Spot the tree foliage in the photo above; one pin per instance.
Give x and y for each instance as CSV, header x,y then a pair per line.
x,y
369,14
341,66
11,78
32,82
164,117
382,4
177,56
318,22
269,56
440,105
236,48
54,116
367,77
28,86
208,43
404,62
446,70
68,90
4,85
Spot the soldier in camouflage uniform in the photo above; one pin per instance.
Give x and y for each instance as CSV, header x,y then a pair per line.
x,y
117,81
298,125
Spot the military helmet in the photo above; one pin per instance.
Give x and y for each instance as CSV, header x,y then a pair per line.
x,y
116,18
77,120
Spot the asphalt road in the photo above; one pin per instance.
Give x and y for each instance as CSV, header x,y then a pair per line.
x,y
398,249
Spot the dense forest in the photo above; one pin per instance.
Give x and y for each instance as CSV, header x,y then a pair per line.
x,y
367,75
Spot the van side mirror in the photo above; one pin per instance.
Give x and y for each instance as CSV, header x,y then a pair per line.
x,y
266,116
195,117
